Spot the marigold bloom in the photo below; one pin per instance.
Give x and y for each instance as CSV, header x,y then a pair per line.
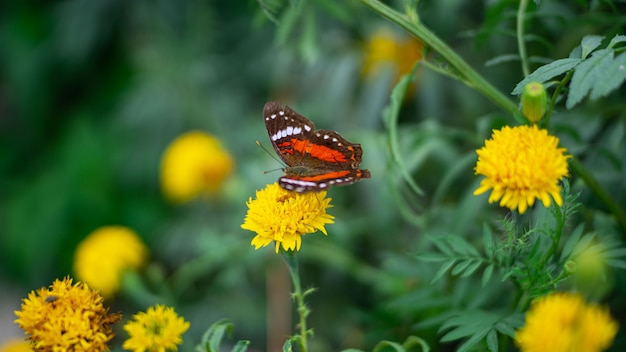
x,y
521,164
159,329
16,345
193,164
102,257
563,322
387,48
284,217
66,317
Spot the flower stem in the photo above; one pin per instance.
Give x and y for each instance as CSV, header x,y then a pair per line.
x,y
303,311
521,44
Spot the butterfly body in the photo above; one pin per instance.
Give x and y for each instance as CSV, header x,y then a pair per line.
x,y
315,159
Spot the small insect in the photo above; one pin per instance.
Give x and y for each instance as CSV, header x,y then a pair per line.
x,y
51,299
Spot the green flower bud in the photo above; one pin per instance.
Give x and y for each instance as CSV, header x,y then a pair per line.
x,y
534,101
570,267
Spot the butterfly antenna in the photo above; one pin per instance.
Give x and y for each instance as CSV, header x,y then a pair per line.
x,y
270,154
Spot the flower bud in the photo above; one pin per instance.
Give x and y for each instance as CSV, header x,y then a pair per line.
x,y
534,101
570,267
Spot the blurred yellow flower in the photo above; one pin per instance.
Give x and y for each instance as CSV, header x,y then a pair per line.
x,y
102,257
521,164
564,322
284,217
159,329
16,345
66,317
193,164
386,48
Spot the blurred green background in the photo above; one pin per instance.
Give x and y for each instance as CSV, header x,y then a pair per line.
x,y
92,92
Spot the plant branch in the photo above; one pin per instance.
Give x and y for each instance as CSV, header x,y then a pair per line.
x,y
521,44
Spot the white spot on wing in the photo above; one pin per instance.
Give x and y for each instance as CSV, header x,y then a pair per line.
x,y
307,128
297,130
289,131
281,113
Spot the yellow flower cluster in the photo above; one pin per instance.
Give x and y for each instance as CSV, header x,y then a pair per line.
x,y
564,322
66,317
521,164
284,217
102,257
159,329
194,164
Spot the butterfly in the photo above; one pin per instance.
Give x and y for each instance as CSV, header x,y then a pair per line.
x,y
316,159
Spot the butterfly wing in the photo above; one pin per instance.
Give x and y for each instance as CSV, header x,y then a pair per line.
x,y
319,182
315,159
288,131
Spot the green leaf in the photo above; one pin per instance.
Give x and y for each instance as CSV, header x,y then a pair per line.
x,y
488,240
583,244
615,263
587,75
444,268
616,40
589,44
460,267
487,274
492,341
610,78
287,346
390,116
474,339
571,242
461,246
442,245
382,344
472,268
546,72
212,338
241,346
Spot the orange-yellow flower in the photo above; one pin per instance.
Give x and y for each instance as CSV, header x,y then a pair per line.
x,y
66,317
194,164
564,322
521,164
102,257
159,329
284,217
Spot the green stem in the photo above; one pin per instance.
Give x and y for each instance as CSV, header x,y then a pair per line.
x,y
303,311
521,44
466,72
557,91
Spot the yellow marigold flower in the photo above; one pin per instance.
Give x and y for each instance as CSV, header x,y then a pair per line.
x,y
66,317
563,322
284,217
521,164
193,164
16,345
159,329
388,48
102,257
